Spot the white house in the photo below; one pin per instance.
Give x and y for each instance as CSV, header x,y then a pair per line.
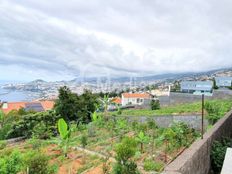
x,y
135,99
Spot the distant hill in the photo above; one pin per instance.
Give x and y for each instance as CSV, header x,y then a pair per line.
x,y
169,76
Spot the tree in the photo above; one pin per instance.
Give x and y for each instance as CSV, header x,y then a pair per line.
x,y
75,108
214,84
66,104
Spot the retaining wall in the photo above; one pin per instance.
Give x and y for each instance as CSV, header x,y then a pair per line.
x,y
193,120
177,98
196,159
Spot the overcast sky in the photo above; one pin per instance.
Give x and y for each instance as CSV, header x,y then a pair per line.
x,y
60,39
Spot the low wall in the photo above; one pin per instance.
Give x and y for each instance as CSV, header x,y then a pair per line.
x,y
193,121
177,97
196,159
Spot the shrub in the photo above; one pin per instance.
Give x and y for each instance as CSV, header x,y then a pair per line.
x,y
25,126
11,164
40,131
216,109
150,165
84,140
38,163
218,153
3,144
155,104
35,143
124,152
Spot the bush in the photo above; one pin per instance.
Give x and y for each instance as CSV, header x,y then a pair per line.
x,y
84,139
216,109
40,131
25,126
150,165
155,104
124,152
35,143
37,163
3,144
218,153
11,164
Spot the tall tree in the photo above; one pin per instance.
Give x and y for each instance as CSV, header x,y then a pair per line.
x,y
73,107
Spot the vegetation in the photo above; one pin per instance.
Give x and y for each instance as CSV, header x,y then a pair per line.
x,y
38,163
150,165
27,124
124,152
75,107
218,153
214,84
155,104
65,134
216,109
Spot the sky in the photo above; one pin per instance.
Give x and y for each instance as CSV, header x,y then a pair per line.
x,y
62,40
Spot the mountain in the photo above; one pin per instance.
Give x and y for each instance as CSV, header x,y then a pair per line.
x,y
161,77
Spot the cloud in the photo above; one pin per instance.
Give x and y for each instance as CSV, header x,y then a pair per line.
x,y
118,38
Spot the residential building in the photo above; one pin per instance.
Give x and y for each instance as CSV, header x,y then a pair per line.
x,y
196,87
136,99
223,81
117,101
37,106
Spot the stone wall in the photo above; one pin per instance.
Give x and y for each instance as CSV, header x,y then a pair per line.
x,y
196,159
193,120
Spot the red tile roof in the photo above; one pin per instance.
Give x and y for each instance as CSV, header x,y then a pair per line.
x,y
136,95
117,100
13,106
47,105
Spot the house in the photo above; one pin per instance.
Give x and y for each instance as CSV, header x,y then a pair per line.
x,y
196,87
116,101
223,81
37,106
136,99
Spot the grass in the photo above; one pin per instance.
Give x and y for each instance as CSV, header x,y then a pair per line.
x,y
171,110
177,109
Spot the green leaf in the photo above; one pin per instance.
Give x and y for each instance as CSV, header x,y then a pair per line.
x,y
62,128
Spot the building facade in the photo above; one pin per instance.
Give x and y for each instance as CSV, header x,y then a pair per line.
x,y
136,99
223,81
196,87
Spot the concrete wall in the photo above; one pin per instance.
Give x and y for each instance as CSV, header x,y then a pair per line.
x,y
193,121
176,98
196,159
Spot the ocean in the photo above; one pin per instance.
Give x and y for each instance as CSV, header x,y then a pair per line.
x,y
15,96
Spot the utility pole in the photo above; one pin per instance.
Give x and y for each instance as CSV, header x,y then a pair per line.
x,y
202,115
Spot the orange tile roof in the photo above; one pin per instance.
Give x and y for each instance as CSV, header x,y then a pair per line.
x,y
47,105
136,95
13,106
117,100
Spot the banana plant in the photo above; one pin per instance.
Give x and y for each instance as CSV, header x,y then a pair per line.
x,y
105,103
142,139
65,135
